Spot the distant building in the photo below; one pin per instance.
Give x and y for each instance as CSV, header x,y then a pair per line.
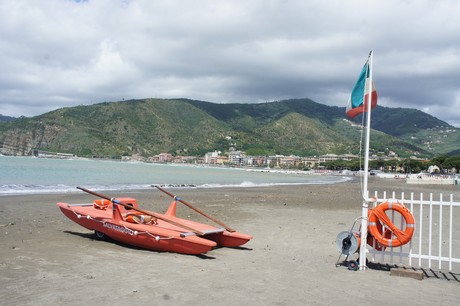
x,y
236,157
310,162
211,157
164,157
331,157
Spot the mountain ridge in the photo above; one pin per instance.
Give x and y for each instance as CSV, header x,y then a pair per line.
x,y
191,127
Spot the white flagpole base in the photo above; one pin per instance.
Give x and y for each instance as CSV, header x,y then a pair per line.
x,y
363,247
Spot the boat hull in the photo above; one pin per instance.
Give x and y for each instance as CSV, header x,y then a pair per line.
x,y
161,236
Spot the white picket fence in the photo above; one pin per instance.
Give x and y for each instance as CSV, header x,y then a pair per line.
x,y
436,240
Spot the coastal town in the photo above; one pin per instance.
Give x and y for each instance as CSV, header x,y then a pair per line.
x,y
237,158
386,165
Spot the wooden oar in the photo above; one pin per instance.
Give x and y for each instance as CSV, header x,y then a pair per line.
x,y
228,228
145,212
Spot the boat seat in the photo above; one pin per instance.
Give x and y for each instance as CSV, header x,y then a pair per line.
x,y
80,205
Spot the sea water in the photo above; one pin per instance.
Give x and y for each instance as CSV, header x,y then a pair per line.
x,y
29,175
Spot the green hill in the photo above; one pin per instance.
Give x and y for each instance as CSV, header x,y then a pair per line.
x,y
189,127
417,128
6,118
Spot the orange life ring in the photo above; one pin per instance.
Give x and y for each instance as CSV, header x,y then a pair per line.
x,y
101,204
378,217
373,242
385,233
140,218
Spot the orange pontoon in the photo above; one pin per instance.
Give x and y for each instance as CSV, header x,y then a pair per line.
x,y
122,220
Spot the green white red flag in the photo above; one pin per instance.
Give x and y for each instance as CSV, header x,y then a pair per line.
x,y
359,98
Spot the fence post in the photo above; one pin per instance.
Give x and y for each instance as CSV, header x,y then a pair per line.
x,y
450,230
421,231
430,230
441,203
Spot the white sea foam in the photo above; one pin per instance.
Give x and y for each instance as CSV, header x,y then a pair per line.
x,y
19,189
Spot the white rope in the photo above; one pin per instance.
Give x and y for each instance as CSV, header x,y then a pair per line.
x,y
157,238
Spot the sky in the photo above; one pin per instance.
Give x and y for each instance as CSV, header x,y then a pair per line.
x,y
62,53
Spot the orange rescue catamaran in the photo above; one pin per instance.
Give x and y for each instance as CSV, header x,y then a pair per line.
x,y
122,220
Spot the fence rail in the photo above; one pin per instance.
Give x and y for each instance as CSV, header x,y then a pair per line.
x,y
436,238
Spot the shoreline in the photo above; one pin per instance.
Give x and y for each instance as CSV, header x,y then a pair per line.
x,y
290,261
68,189
380,183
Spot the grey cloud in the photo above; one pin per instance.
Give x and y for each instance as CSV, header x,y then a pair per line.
x,y
63,53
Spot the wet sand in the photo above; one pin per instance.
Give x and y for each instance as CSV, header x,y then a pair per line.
x,y
46,259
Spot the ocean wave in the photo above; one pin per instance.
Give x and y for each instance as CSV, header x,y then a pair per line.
x,y
18,189
29,189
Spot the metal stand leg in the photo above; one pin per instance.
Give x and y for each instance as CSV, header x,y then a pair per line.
x,y
347,244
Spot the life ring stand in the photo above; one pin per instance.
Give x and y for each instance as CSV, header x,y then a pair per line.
x,y
378,217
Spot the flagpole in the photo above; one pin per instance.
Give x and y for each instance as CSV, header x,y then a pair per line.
x,y
365,192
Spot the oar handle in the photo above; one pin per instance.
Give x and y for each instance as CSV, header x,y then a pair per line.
x,y
145,212
228,228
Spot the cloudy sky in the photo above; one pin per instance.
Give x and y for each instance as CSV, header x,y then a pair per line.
x,y
59,53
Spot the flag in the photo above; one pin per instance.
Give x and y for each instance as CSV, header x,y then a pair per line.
x,y
357,103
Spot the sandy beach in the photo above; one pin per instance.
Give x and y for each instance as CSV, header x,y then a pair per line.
x,y
46,259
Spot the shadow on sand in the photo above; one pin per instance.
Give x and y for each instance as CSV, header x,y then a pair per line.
x,y
92,236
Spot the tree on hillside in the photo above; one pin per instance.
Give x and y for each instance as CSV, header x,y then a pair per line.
x,y
452,162
446,163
